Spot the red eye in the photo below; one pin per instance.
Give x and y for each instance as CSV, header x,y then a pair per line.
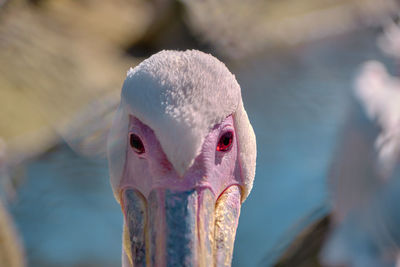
x,y
225,141
136,144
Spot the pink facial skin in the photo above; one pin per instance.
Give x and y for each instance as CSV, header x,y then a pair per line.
x,y
181,221
216,170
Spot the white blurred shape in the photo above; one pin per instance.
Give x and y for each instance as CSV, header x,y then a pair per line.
x,y
366,180
86,132
389,42
379,94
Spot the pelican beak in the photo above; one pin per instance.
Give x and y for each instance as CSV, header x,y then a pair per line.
x,y
180,228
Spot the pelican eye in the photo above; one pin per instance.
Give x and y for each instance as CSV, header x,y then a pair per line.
x,y
136,143
225,142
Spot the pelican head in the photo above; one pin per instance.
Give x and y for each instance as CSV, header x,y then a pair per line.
x,y
182,157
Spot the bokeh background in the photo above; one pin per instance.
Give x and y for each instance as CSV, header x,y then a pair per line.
x,y
62,64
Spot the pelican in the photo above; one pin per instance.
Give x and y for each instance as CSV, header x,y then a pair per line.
x,y
182,156
364,183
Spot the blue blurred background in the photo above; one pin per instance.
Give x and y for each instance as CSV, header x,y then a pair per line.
x,y
62,64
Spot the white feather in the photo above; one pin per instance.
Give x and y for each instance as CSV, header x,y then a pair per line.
x,y
181,96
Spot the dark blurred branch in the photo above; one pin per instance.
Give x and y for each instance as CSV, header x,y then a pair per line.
x,y
305,249
168,30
